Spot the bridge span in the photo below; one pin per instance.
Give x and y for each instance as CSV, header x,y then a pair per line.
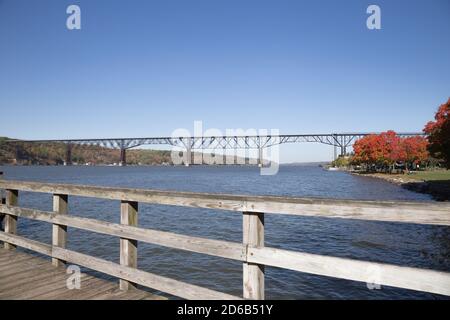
x,y
340,142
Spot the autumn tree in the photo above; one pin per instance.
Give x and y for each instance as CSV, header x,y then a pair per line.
x,y
392,150
416,150
438,132
364,150
386,149
382,150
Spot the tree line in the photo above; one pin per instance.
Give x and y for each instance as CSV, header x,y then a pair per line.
x,y
24,153
387,150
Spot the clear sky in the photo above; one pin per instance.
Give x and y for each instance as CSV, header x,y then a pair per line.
x,y
146,68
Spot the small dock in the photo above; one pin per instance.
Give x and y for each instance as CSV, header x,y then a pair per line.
x,y
24,276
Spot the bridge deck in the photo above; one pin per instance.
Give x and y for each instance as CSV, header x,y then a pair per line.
x,y
23,276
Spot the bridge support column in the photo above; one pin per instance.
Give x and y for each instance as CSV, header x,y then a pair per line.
x,y
188,154
260,157
123,157
197,157
188,157
342,145
17,151
68,161
343,151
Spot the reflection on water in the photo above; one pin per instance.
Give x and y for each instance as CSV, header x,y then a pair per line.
x,y
395,243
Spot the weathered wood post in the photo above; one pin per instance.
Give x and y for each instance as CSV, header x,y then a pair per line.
x,y
2,199
12,199
128,247
59,232
253,274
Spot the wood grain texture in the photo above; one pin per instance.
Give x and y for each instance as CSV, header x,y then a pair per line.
x,y
252,251
253,273
35,278
2,201
174,287
12,199
59,232
384,274
393,211
404,277
224,249
128,247
163,284
22,242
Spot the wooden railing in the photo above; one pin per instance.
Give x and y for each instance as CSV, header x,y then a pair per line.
x,y
252,252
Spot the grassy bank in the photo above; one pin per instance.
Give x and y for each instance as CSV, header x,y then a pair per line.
x,y
436,175
435,183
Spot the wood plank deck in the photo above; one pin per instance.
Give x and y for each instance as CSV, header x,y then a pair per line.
x,y
24,276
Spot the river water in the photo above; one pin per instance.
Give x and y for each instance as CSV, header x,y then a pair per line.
x,y
394,243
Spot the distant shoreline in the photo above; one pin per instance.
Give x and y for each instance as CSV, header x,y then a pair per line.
x,y
297,164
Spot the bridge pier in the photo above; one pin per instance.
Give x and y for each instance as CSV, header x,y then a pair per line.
x,y
188,153
343,151
197,157
342,145
260,157
68,160
17,153
123,157
188,157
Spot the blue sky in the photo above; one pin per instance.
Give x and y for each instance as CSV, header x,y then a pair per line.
x,y
146,68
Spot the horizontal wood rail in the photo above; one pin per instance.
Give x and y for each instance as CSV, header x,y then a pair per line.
x,y
217,248
391,211
252,252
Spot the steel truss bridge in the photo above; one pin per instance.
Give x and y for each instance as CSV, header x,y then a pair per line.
x,y
340,142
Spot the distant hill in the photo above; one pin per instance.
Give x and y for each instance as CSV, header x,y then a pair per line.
x,y
54,154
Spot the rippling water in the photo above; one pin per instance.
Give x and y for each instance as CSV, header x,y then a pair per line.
x,y
395,243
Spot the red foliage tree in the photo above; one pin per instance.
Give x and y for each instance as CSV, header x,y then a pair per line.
x,y
365,150
392,148
386,149
439,134
416,150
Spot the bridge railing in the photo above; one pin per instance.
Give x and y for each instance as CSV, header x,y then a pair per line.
x,y
251,252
